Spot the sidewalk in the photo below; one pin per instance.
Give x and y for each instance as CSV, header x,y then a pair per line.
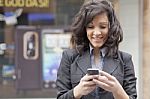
x,y
8,90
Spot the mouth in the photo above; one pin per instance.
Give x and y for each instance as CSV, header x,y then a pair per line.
x,y
97,39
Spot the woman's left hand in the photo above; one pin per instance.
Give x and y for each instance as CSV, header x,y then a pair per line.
x,y
111,84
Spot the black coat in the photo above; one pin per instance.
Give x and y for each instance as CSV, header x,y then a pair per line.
x,y
74,66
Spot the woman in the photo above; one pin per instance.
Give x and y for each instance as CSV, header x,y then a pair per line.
x,y
95,40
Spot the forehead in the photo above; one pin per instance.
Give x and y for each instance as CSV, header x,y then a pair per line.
x,y
93,10
100,18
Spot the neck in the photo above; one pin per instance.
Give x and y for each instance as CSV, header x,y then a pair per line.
x,y
96,55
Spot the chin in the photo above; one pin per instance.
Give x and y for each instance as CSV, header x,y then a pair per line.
x,y
97,45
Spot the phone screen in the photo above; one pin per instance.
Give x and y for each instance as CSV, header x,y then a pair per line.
x,y
93,71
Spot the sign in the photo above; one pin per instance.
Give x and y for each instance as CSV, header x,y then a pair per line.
x,y
25,3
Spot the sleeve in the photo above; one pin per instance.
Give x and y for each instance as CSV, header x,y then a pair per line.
x,y
63,82
129,83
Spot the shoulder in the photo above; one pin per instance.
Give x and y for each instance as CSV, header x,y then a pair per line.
x,y
70,54
124,56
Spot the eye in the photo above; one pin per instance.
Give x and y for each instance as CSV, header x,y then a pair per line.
x,y
90,26
102,27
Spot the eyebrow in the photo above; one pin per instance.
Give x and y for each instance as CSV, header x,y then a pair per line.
x,y
106,23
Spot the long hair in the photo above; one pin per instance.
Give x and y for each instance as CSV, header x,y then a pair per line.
x,y
87,12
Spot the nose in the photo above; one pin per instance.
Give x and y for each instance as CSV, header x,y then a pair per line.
x,y
97,31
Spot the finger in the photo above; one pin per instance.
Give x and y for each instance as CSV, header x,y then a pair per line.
x,y
102,85
89,84
110,77
105,80
89,77
102,78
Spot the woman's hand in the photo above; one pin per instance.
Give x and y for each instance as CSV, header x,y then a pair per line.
x,y
111,84
85,86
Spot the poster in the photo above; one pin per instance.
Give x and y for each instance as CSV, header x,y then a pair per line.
x,y
53,45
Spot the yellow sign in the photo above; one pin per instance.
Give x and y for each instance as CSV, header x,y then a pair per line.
x,y
24,3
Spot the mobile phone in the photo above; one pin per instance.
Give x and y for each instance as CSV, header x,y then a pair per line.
x,y
93,71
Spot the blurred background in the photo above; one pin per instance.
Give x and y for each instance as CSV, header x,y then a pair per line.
x,y
33,34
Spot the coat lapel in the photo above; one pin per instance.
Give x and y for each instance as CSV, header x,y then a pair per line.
x,y
84,61
110,65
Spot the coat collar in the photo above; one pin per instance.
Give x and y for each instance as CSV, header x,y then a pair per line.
x,y
102,50
84,61
110,64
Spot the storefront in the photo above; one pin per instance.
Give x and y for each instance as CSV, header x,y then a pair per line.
x,y
56,15
20,72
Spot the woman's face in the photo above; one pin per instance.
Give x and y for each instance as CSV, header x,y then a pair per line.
x,y
97,30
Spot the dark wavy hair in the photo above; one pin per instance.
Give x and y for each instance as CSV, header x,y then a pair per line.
x,y
87,12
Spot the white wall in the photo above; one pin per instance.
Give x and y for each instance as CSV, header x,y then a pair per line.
x,y
129,18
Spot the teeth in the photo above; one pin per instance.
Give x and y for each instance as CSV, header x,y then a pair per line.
x,y
97,38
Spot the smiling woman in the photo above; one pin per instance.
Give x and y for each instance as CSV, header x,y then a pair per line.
x,y
96,34
97,30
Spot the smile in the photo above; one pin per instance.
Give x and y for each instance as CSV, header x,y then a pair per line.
x,y
97,38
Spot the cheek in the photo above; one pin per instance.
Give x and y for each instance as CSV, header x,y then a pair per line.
x,y
88,34
105,34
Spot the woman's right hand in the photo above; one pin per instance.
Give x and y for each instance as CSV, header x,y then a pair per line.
x,y
85,86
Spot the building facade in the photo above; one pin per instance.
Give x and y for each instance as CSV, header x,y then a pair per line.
x,y
57,15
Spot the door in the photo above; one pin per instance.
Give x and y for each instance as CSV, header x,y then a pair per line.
x,y
28,58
